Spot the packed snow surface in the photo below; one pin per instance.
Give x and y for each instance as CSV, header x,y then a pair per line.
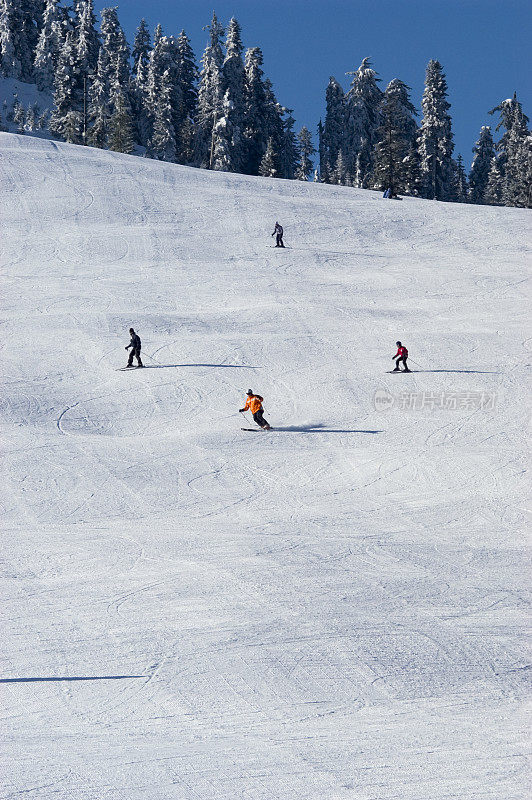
x,y
334,610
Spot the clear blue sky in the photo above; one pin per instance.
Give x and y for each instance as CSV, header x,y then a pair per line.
x,y
483,45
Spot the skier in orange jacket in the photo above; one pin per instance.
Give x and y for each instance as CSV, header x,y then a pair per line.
x,y
254,403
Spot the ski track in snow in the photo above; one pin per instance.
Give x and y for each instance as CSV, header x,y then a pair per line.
x,y
331,611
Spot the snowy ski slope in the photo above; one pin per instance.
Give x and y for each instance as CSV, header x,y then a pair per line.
x,y
335,610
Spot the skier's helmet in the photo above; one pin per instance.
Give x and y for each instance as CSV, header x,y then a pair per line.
x,y
249,391
398,344
131,330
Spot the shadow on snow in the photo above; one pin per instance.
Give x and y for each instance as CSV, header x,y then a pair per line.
x,y
320,428
173,366
75,678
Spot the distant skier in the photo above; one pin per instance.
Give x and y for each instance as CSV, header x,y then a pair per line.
x,y
387,194
279,237
135,345
401,356
254,403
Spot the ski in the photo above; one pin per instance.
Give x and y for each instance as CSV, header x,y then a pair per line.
x,y
400,371
255,430
127,369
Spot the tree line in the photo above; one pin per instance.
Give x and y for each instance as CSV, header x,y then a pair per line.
x,y
155,100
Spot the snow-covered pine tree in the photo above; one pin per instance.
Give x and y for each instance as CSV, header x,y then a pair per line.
x,y
43,120
211,93
137,99
141,47
495,187
256,112
19,116
516,182
412,172
339,174
234,101
116,49
10,22
395,136
332,138
152,81
162,145
32,19
306,151
289,155
362,105
120,125
30,121
48,46
324,168
87,39
435,140
484,151
222,137
522,195
281,131
459,188
186,78
67,118
511,113
99,101
269,163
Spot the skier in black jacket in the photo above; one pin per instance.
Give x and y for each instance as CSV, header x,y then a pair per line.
x,y
135,345
279,238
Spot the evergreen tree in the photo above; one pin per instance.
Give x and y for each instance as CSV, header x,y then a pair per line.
x,y
495,187
511,114
306,151
395,136
517,173
412,172
256,112
459,188
30,121
362,121
484,151
19,116
31,19
67,118
141,47
48,46
210,94
117,58
186,77
120,126
223,137
10,22
162,144
234,101
435,141
269,163
332,138
87,40
339,174
99,100
289,154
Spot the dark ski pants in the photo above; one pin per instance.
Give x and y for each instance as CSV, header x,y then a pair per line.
x,y
279,240
259,419
403,360
134,353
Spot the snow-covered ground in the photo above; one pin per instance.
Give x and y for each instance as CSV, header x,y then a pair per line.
x,y
331,611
